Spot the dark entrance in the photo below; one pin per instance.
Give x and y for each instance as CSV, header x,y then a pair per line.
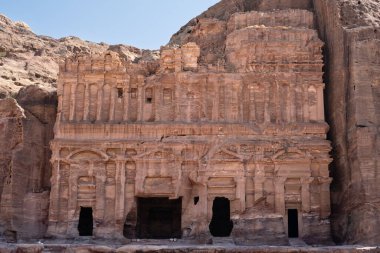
x,y
85,225
159,218
293,223
221,224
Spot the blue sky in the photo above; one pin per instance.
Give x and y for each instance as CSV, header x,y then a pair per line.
x,y
142,23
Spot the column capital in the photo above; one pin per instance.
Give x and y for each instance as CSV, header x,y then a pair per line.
x,y
325,180
307,180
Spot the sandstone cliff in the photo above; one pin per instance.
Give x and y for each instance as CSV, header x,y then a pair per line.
x,y
28,59
352,74
28,74
350,30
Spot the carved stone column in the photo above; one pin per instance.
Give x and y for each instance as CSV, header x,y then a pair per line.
x,y
140,177
325,197
215,109
140,102
259,182
54,199
293,104
120,191
72,201
86,102
112,104
266,103
204,218
305,193
279,189
240,191
99,104
320,105
100,206
73,101
306,113
288,102
126,103
129,190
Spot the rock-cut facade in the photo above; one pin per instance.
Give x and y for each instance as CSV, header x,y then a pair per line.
x,y
228,142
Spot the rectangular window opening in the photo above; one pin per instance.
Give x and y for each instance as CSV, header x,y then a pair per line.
x,y
149,95
120,93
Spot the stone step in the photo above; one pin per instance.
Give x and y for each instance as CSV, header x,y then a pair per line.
x,y
223,241
297,242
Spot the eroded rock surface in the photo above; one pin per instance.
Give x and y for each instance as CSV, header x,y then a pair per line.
x,y
27,130
28,59
352,102
233,117
351,35
28,73
350,30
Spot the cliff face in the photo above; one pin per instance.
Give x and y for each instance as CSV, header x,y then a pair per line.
x,y
28,74
28,59
352,103
351,32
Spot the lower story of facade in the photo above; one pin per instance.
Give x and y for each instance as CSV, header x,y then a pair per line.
x,y
257,191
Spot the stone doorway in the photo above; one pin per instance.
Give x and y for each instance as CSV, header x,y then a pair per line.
x,y
221,224
159,218
293,223
85,225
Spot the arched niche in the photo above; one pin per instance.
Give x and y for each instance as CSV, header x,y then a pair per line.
x,y
293,154
87,155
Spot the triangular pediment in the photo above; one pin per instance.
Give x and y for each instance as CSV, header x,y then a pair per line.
x,y
294,154
290,156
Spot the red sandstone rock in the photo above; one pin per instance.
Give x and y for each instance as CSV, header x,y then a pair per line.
x,y
351,64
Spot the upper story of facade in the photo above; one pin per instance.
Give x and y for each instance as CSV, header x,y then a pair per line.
x,y
266,78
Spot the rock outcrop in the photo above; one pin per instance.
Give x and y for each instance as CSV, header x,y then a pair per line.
x,y
351,32
27,129
28,59
28,73
352,75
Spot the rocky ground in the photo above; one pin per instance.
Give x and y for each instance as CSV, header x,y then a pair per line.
x,y
173,247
